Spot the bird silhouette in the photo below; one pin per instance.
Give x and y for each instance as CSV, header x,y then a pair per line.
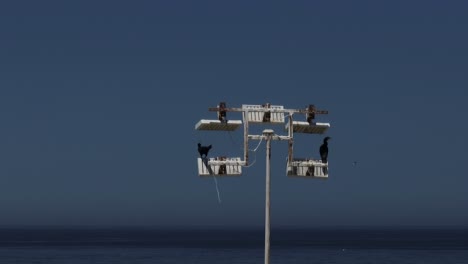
x,y
324,150
203,150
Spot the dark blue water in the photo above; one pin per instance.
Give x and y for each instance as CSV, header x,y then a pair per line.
x,y
142,246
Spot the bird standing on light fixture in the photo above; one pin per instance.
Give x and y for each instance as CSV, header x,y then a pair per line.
x,y
203,150
324,150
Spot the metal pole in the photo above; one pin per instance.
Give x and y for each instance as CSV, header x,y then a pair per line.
x,y
291,140
267,199
245,117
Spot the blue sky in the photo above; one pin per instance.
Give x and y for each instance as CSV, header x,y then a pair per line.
x,y
99,99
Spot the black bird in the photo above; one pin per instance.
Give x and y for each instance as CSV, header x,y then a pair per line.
x,y
203,150
324,150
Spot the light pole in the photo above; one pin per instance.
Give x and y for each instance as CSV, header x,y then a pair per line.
x,y
267,134
223,166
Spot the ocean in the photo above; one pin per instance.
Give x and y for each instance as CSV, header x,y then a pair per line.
x,y
241,246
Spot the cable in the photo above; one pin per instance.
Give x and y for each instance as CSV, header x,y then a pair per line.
x,y
248,166
255,154
261,140
217,189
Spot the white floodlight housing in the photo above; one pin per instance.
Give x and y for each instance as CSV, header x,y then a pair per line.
x,y
264,113
229,125
305,127
220,166
308,168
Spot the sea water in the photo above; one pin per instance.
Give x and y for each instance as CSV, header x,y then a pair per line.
x,y
242,246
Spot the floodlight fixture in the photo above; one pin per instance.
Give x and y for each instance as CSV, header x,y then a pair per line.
x,y
307,168
266,113
229,125
220,166
306,127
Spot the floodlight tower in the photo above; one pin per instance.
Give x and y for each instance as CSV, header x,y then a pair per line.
x,y
265,114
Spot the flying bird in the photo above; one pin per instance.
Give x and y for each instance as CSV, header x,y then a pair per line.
x,y
203,150
324,150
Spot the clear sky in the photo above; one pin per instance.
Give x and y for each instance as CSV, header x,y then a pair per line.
x,y
99,99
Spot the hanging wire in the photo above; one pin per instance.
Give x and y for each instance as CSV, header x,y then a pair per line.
x,y
217,189
242,147
250,165
255,154
261,140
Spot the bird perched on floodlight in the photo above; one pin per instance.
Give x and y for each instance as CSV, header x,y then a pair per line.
x,y
324,150
203,150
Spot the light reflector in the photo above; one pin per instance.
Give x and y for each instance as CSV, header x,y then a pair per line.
x,y
257,114
230,125
305,127
307,168
220,166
